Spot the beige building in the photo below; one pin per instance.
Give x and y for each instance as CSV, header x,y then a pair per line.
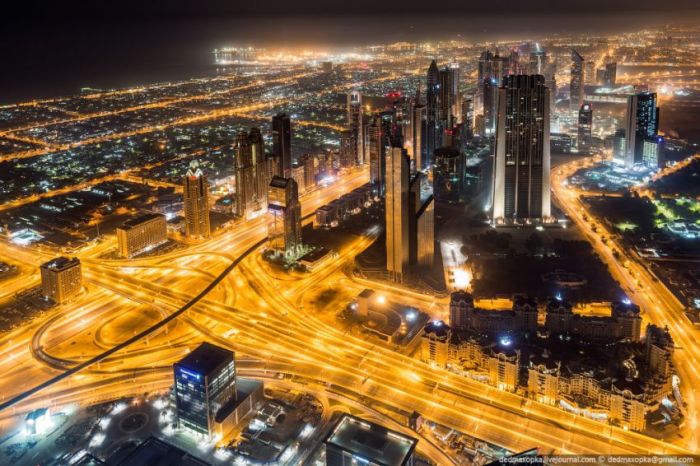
x,y
435,343
61,279
141,233
397,213
196,202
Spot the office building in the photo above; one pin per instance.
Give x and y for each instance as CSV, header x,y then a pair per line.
x,y
61,279
397,213
418,130
522,161
642,124
538,60
585,127
433,130
435,342
252,173
284,210
448,96
467,130
196,203
205,382
421,224
355,441
490,99
377,161
609,75
576,82
448,175
348,148
140,234
651,153
308,161
356,124
620,146
282,144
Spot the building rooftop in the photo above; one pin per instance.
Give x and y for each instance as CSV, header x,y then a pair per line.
x,y
155,452
438,327
140,219
205,358
60,263
371,441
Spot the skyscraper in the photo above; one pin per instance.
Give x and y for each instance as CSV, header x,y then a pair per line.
x,y
585,127
205,381
577,81
284,208
610,74
397,212
421,224
355,123
448,96
433,131
448,175
642,124
490,99
538,60
376,156
282,144
418,127
348,148
196,202
251,172
522,162
467,117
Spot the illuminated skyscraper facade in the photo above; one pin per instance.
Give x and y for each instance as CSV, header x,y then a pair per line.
x,y
355,123
585,127
196,203
397,213
284,210
642,124
252,173
282,144
522,163
576,81
205,381
433,131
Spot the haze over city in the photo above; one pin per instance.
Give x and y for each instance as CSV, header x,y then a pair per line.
x,y
389,234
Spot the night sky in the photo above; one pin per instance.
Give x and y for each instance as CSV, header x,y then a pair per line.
x,y
54,48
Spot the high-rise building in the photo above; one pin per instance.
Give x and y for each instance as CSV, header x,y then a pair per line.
x,y
282,143
642,124
205,382
251,171
139,234
490,99
355,441
308,161
376,157
348,148
196,202
284,229
418,128
397,213
620,146
448,96
577,81
448,175
433,131
435,342
355,123
538,60
610,74
421,224
585,127
467,117
61,279
522,160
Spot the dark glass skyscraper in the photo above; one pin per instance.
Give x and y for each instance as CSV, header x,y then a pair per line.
x,y
282,144
522,161
433,130
284,208
585,127
205,381
576,82
642,125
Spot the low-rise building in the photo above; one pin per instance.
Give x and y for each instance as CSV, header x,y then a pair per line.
x,y
61,279
141,234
